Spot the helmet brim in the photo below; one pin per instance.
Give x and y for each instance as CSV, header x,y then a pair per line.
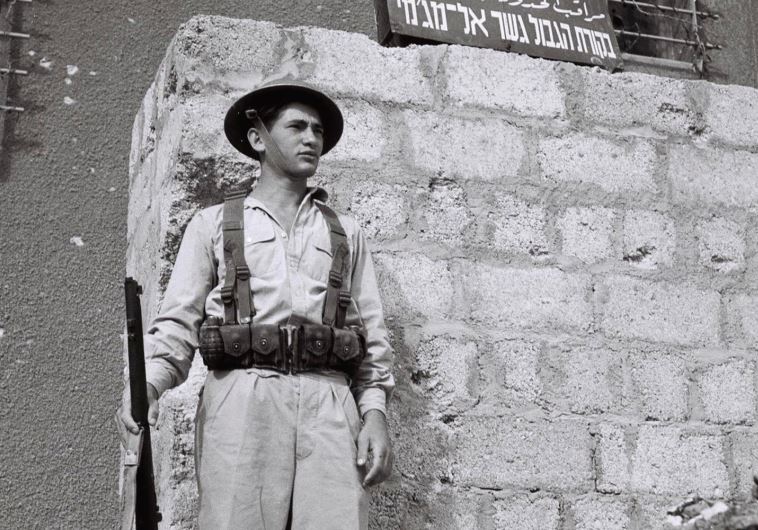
x,y
237,124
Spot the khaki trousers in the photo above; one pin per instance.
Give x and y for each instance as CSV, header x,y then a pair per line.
x,y
268,444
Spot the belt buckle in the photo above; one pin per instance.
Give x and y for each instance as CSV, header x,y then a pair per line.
x,y
290,332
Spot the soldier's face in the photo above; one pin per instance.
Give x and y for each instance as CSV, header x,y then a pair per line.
x,y
299,133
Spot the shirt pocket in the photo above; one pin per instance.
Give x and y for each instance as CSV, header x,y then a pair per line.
x,y
263,253
318,258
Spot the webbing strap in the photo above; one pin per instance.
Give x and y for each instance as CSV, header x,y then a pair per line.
x,y
237,272
338,288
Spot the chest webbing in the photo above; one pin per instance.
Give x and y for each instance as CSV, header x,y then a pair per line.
x,y
236,293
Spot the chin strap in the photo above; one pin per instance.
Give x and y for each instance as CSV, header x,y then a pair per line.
x,y
272,150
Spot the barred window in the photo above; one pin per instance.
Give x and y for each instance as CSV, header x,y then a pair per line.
x,y
667,33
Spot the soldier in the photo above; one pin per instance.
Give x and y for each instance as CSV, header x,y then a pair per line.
x,y
280,294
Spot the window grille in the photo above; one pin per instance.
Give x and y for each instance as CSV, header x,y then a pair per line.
x,y
667,33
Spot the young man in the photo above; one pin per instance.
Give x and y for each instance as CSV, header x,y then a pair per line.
x,y
294,401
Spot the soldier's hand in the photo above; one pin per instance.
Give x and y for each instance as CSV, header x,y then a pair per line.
x,y
124,420
375,439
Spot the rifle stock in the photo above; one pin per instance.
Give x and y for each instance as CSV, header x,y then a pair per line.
x,y
146,512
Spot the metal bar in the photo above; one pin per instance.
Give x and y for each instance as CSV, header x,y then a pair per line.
x,y
667,8
667,39
14,34
13,71
658,61
11,109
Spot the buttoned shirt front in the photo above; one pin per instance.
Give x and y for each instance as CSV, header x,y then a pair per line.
x,y
289,274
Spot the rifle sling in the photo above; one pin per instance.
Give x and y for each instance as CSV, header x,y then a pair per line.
x,y
132,454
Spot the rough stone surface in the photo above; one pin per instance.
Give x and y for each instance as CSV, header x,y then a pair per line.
x,y
727,392
660,386
527,513
491,453
711,176
447,369
445,215
745,309
380,209
721,243
509,372
583,382
674,461
588,233
619,165
519,227
744,451
649,239
611,460
471,78
602,513
540,298
448,146
414,283
635,100
737,128
352,64
679,314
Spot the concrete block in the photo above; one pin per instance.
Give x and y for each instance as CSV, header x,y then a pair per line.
x,y
583,382
351,64
509,371
659,386
637,100
527,512
661,312
519,227
649,239
674,461
525,298
494,452
445,215
208,49
721,244
588,233
744,310
380,209
732,114
493,79
616,166
414,284
745,462
727,392
485,148
611,460
601,512
708,176
364,137
446,368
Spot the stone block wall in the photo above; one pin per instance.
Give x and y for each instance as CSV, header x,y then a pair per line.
x,y
566,259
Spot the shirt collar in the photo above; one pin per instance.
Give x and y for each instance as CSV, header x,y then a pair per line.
x,y
316,193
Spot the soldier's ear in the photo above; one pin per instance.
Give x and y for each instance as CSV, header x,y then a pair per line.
x,y
256,142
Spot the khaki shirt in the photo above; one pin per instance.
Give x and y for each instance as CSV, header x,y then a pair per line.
x,y
289,274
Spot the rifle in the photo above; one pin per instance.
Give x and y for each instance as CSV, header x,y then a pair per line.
x,y
140,502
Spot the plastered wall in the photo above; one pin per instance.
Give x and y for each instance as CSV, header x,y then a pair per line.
x,y
566,258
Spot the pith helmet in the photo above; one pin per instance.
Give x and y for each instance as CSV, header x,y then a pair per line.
x,y
236,123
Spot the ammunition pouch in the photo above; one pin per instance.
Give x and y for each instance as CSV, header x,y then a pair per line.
x,y
286,349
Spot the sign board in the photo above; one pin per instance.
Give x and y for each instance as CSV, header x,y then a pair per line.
x,y
578,31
